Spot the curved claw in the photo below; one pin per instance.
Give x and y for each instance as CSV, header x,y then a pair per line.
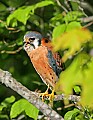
x,y
44,95
49,96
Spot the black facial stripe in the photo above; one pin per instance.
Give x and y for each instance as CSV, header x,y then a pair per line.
x,y
32,38
39,42
32,45
24,42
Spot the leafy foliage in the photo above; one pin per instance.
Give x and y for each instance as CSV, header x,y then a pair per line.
x,y
23,105
62,21
71,114
27,11
72,41
4,106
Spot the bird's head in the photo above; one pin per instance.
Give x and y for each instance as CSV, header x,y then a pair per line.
x,y
32,40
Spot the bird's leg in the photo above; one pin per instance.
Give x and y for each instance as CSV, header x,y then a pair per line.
x,y
45,94
49,96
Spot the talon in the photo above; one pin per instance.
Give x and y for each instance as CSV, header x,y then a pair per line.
x,y
45,94
51,96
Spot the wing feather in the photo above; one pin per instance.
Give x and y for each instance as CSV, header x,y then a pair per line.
x,y
55,62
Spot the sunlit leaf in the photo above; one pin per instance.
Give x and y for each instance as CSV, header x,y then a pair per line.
x,y
43,3
72,40
59,30
8,100
70,115
77,89
73,75
1,107
73,25
72,16
23,13
23,105
78,73
87,97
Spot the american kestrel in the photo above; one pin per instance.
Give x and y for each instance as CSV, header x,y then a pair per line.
x,y
47,63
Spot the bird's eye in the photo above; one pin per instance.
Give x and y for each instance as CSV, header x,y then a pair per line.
x,y
46,40
31,39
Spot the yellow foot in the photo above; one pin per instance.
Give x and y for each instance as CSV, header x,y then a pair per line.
x,y
44,95
50,97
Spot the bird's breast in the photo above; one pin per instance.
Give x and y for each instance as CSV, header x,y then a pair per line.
x,y
40,61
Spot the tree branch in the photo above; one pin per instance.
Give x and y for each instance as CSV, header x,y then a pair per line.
x,y
58,2
7,79
33,97
87,19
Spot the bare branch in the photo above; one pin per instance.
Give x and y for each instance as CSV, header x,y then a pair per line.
x,y
11,52
87,19
72,98
58,2
9,28
7,79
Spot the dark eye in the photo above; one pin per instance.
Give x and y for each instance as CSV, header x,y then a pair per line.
x,y
46,40
31,39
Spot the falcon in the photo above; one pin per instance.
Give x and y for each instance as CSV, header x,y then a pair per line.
x,y
47,63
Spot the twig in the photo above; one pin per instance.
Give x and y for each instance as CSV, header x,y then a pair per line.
x,y
58,2
87,25
7,79
11,52
68,5
9,28
87,19
7,44
83,5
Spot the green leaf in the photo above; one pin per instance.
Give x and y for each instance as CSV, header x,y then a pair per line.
x,y
59,30
23,105
73,75
7,101
72,41
43,3
72,16
78,73
56,20
10,99
71,114
23,13
1,107
87,97
77,89
73,25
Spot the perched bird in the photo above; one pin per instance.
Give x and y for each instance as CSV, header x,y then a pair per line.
x,y
46,62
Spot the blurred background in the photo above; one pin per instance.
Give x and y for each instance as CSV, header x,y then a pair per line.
x,y
13,28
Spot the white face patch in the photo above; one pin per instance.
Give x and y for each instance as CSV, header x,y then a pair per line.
x,y
36,42
28,47
31,45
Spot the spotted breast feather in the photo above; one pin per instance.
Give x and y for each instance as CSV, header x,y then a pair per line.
x,y
41,64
